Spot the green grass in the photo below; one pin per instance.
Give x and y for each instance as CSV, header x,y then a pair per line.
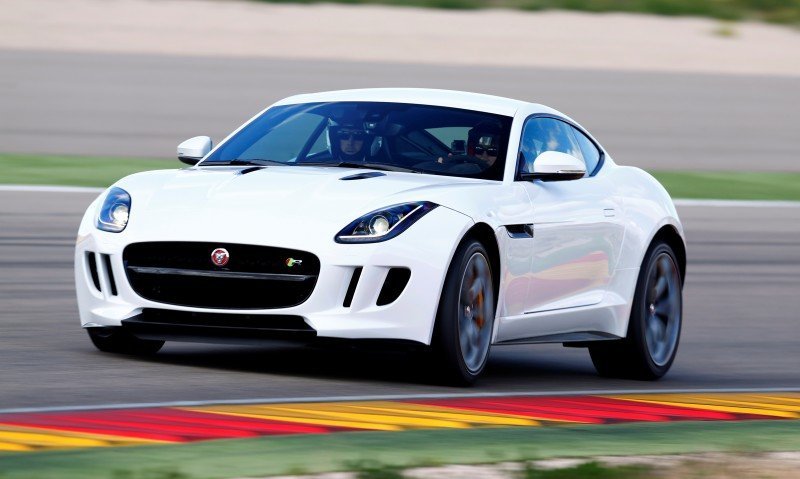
x,y
775,11
374,470
79,171
385,453
73,170
732,185
591,470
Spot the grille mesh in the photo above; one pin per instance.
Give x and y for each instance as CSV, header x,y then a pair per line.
x,y
190,289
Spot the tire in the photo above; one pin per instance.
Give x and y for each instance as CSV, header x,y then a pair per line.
x,y
115,340
650,346
465,318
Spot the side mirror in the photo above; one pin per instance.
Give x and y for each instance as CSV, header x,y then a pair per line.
x,y
194,149
555,166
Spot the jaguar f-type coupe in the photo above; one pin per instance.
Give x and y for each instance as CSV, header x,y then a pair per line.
x,y
451,221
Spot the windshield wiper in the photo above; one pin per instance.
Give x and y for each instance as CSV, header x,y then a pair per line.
x,y
241,162
368,166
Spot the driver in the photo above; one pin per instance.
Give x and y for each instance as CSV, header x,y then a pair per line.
x,y
349,141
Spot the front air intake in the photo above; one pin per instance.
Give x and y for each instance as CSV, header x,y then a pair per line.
x,y
112,284
166,324
91,262
395,283
351,288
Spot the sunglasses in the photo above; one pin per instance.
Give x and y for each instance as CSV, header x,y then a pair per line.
x,y
479,150
351,135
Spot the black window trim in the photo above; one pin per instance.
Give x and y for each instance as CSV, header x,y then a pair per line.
x,y
602,152
315,135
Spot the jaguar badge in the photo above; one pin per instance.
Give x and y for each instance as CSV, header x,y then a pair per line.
x,y
220,257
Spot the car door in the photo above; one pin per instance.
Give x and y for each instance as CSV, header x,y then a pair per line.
x,y
576,223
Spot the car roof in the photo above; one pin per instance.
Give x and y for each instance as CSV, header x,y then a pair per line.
x,y
423,96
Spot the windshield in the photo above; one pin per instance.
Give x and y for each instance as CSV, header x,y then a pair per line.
x,y
387,136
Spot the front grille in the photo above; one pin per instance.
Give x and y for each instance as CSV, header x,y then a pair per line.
x,y
255,277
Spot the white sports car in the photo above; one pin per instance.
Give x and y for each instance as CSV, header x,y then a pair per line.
x,y
448,220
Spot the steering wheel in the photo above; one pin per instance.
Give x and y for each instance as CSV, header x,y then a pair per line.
x,y
461,159
459,165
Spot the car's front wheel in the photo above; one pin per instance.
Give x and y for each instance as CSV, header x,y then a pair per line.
x,y
116,340
465,318
655,322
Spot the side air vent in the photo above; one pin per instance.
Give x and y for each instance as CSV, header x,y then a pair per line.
x,y
110,274
363,176
395,283
351,288
92,263
520,231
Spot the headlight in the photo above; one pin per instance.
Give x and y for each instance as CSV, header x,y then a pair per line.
x,y
384,224
114,211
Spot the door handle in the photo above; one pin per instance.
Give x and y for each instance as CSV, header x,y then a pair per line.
x,y
609,212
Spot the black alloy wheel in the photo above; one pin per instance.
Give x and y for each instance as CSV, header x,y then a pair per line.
x,y
465,319
654,329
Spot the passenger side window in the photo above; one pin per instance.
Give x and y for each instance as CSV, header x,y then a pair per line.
x,y
546,134
449,135
591,155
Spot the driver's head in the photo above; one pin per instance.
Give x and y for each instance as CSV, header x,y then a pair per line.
x,y
349,141
483,142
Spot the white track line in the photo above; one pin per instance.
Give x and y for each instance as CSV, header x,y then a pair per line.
x,y
393,397
51,189
737,203
678,202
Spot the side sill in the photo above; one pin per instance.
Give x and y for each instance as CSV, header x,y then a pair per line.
x,y
575,337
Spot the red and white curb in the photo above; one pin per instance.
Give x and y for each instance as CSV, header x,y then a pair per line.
x,y
41,430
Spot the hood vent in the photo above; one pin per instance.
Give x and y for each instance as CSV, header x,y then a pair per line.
x,y
251,169
363,176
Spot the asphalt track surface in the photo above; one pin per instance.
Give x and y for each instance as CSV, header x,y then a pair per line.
x,y
742,311
144,105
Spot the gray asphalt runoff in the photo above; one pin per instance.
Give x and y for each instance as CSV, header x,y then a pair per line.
x,y
741,330
144,105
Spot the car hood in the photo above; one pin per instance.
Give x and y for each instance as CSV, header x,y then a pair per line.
x,y
270,203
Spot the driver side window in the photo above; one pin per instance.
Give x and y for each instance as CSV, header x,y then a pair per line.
x,y
285,140
542,134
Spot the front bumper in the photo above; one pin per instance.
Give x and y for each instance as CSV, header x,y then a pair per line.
x,y
106,298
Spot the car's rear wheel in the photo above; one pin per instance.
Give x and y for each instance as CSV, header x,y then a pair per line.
x,y
465,318
116,340
655,322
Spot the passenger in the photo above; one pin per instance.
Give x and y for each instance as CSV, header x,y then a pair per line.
x,y
484,144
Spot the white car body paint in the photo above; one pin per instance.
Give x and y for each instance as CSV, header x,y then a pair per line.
x,y
576,276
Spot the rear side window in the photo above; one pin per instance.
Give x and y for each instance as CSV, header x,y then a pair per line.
x,y
591,155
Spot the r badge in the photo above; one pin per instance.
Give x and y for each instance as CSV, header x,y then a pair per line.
x,y
291,262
